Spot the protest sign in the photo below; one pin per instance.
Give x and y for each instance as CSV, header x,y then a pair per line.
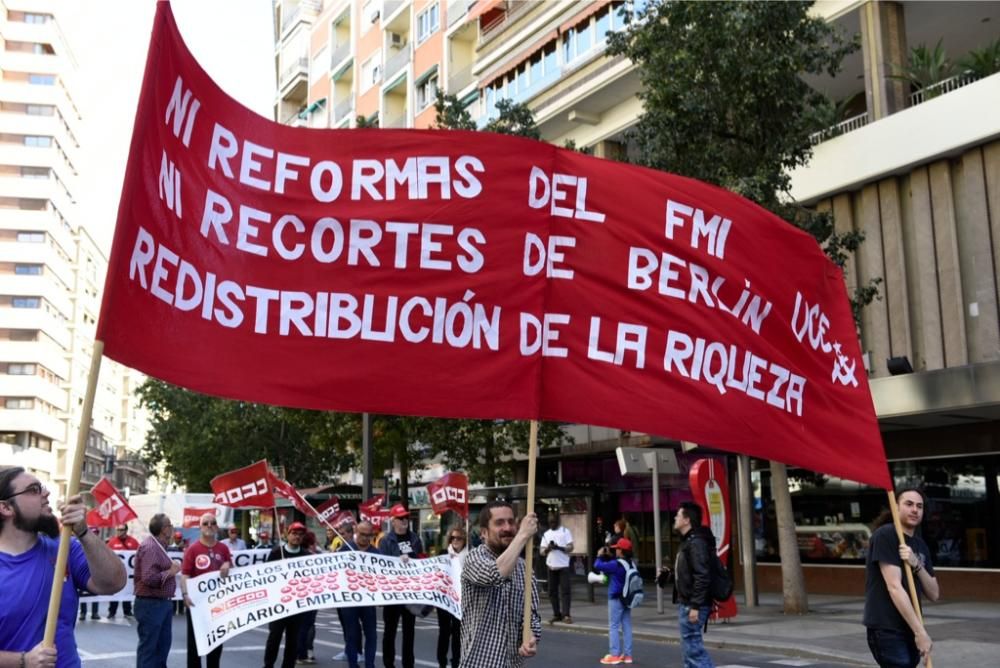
x,y
240,558
474,275
262,593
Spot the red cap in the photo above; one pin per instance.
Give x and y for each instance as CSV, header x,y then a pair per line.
x,y
178,534
622,544
399,510
297,526
263,534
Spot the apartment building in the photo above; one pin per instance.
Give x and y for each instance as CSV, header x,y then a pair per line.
x,y
917,168
51,271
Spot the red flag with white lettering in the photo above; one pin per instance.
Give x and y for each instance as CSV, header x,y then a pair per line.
x,y
192,516
328,510
112,508
355,270
285,489
372,510
248,487
450,492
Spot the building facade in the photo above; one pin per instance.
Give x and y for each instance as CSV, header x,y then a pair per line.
x,y
52,272
916,167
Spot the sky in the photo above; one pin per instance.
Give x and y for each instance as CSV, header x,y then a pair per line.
x,y
232,39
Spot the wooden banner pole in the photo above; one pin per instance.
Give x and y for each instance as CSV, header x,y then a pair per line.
x,y
526,634
912,585
72,489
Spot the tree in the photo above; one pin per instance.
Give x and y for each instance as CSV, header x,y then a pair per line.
x,y
196,437
513,118
724,101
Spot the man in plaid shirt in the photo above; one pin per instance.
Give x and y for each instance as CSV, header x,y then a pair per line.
x,y
493,592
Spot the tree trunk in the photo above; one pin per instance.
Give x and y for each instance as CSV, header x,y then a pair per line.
x,y
792,580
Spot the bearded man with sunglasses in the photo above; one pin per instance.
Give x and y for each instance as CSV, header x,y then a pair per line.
x,y
29,541
205,555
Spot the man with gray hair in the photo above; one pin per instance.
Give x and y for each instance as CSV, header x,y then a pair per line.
x,y
155,583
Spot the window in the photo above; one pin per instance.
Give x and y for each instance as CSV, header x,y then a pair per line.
x,y
370,14
26,302
371,72
428,21
42,79
40,110
36,18
31,237
22,334
603,25
28,269
427,91
40,442
35,173
21,369
39,141
19,403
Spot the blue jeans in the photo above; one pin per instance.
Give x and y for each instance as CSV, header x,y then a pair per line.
x,y
357,621
619,620
893,649
154,617
692,647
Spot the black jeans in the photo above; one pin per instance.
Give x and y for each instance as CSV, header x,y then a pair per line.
x,y
893,649
289,627
212,659
113,608
390,618
559,580
449,633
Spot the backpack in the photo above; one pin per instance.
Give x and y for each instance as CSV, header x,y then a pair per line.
x,y
721,585
632,594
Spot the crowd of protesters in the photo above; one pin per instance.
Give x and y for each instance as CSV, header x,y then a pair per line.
x,y
490,633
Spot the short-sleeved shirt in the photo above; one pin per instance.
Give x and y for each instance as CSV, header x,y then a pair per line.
x,y
27,583
880,612
200,559
562,537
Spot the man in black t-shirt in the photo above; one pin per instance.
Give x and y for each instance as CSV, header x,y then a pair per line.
x,y
896,636
286,626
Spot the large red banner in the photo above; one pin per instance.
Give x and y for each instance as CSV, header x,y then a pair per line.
x,y
472,275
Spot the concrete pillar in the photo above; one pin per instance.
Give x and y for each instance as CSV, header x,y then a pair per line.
x,y
883,45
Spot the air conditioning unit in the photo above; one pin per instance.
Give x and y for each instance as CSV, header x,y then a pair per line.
x,y
396,40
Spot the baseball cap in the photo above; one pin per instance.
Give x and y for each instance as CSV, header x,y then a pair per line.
x,y
263,534
399,510
178,534
622,544
297,526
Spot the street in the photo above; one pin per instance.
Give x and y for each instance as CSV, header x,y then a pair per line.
x,y
111,644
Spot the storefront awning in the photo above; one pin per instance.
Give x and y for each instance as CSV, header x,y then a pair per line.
x,y
944,397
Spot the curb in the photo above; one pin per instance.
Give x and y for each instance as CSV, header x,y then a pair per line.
x,y
743,645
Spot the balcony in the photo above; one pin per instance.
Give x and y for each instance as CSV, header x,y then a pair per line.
x,y
460,79
942,88
457,10
849,125
389,9
340,54
343,109
395,121
397,62
298,67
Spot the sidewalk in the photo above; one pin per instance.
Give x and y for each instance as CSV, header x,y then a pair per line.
x,y
964,633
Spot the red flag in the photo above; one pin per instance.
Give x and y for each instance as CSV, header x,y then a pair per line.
x,y
277,271
372,510
286,490
343,516
192,516
450,492
329,509
112,509
247,487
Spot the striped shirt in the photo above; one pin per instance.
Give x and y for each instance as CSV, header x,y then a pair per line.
x,y
152,571
493,612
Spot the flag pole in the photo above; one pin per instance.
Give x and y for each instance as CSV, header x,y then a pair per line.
x,y
906,565
72,489
526,634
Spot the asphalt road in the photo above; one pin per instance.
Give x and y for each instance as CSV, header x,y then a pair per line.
x,y
111,644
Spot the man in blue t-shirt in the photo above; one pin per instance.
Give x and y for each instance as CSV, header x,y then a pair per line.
x,y
29,542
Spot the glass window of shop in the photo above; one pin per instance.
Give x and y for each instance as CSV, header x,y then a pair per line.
x,y
834,517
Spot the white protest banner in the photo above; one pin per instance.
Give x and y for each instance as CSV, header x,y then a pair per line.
x,y
258,594
240,558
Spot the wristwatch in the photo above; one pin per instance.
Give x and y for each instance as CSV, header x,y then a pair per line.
x,y
80,534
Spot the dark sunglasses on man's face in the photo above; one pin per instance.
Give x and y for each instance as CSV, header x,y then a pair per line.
x,y
34,489
454,538
210,524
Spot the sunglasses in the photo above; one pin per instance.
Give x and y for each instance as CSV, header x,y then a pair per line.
x,y
454,538
34,489
366,535
210,524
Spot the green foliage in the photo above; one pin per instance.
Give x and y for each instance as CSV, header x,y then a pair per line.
x,y
983,62
570,145
724,100
451,115
362,122
483,449
926,68
196,437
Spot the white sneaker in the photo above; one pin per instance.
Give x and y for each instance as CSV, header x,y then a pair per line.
x,y
340,657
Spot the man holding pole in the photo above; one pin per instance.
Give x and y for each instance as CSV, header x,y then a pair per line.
x,y
29,540
896,634
493,591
